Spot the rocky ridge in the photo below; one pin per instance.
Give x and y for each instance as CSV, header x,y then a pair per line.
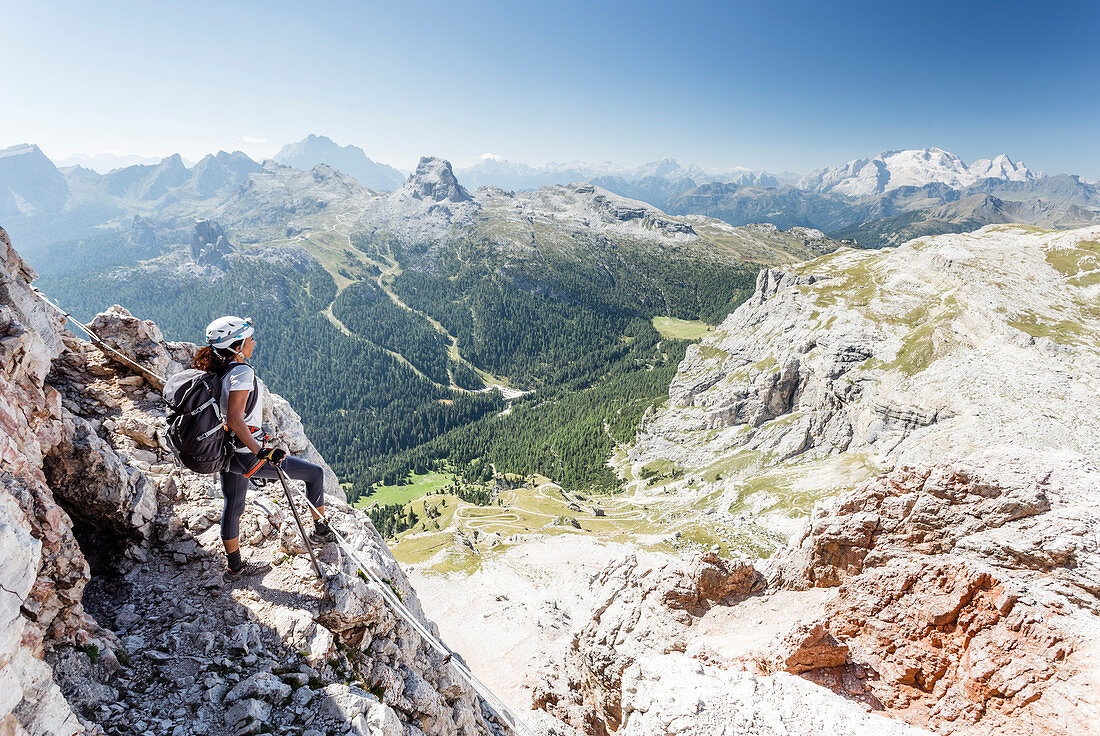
x,y
318,149
573,216
844,366
968,593
961,597
146,638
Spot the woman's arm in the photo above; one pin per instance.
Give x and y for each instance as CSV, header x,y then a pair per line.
x,y
235,420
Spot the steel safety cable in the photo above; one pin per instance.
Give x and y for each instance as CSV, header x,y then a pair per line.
x,y
155,378
383,587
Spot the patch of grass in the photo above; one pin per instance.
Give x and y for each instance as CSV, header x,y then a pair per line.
x,y
766,364
729,466
1080,264
420,486
918,351
413,548
1065,332
708,352
660,471
681,329
656,467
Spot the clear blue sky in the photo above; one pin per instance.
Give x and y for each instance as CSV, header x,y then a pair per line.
x,y
774,85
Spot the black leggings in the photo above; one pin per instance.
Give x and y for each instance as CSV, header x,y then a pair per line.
x,y
235,485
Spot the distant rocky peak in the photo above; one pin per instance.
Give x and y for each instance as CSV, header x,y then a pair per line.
x,y
434,180
209,245
1002,167
21,149
142,232
175,161
914,167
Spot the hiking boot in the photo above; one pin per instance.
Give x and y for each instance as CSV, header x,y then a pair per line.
x,y
248,569
322,534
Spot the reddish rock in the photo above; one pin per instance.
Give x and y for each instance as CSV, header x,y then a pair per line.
x,y
967,594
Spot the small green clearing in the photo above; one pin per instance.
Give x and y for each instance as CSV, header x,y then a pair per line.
x,y
681,329
1066,332
421,485
1081,264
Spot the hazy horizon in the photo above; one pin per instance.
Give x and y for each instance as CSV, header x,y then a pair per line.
x,y
792,86
65,160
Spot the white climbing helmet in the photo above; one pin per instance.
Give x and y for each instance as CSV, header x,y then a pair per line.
x,y
224,331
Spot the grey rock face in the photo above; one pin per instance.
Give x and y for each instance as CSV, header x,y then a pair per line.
x,y
140,340
42,570
642,608
29,183
93,482
142,233
317,149
860,360
209,245
434,180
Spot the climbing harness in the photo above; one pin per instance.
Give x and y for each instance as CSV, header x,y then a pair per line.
x,y
502,711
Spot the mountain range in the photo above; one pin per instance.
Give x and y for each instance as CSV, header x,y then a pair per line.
x,y
496,171
912,168
873,202
564,363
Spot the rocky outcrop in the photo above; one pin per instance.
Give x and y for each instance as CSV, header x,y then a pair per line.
x,y
42,571
142,233
434,180
642,609
148,638
209,245
962,597
680,694
968,597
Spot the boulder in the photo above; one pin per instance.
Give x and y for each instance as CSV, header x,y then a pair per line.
x,y
98,486
137,339
261,686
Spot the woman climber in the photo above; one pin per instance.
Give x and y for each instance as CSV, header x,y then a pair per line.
x,y
229,345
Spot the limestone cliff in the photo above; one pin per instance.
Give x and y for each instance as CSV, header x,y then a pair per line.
x,y
114,615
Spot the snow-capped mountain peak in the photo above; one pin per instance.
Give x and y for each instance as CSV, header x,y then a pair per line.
x,y
911,167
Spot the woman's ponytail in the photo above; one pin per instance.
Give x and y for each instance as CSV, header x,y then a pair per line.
x,y
212,359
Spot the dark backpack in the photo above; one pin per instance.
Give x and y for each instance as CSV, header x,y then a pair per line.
x,y
197,432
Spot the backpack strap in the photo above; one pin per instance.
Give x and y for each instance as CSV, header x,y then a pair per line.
x,y
250,403
253,395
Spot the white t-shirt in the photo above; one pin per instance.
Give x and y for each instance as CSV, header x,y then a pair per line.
x,y
239,378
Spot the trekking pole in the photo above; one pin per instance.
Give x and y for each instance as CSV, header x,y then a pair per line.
x,y
298,521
